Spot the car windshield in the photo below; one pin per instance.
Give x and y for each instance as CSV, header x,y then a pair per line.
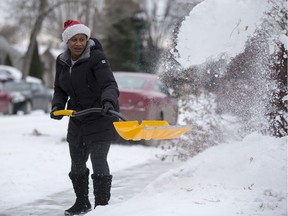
x,y
127,82
11,86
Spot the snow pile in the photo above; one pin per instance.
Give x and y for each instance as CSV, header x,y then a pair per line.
x,y
215,27
240,178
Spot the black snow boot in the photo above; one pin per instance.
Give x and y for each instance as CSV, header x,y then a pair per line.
x,y
102,188
80,185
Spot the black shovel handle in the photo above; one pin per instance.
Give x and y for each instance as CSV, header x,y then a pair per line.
x,y
98,110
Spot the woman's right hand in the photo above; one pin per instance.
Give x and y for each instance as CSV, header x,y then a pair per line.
x,y
58,117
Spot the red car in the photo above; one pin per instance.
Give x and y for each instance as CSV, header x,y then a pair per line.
x,y
5,101
144,97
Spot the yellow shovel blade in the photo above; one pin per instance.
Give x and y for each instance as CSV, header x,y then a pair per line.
x,y
132,130
149,129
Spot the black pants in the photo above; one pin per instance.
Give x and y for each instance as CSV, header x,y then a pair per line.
x,y
79,153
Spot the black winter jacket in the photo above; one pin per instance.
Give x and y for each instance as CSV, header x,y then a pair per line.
x,y
86,84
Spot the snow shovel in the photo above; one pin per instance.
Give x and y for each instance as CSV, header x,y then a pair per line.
x,y
132,130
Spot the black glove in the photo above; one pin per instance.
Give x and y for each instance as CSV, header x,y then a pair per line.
x,y
53,116
106,107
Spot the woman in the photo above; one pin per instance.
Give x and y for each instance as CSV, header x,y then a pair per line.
x,y
83,80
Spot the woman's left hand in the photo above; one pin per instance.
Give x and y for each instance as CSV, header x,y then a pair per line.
x,y
106,107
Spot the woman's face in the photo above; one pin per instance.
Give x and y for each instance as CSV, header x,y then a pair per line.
x,y
77,45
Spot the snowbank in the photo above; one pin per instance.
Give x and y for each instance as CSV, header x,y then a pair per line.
x,y
240,178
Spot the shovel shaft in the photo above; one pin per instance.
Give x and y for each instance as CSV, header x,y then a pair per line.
x,y
98,110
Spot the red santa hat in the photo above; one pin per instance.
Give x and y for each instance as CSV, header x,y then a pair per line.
x,y
73,27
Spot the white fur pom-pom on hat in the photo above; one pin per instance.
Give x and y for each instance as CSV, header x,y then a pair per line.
x,y
73,27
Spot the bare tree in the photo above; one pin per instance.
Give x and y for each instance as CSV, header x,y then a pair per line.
x,y
86,11
35,30
32,16
44,17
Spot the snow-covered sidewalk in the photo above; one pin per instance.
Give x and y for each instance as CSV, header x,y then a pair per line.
x,y
35,158
127,183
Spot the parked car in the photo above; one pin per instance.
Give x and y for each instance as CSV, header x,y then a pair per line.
x,y
144,97
5,75
6,106
28,96
9,73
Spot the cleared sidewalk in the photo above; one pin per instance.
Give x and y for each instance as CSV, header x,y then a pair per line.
x,y
126,184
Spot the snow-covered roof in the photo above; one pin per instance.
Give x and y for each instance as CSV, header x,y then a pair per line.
x,y
17,74
42,49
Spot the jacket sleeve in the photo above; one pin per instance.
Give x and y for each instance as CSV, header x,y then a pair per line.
x,y
59,96
105,80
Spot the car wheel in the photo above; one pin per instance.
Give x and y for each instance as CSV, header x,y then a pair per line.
x,y
28,107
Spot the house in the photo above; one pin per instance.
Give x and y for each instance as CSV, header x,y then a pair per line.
x,y
7,50
48,56
16,53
